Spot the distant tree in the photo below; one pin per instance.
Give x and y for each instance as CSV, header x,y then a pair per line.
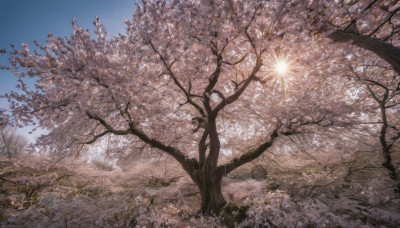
x,y
3,117
11,143
192,79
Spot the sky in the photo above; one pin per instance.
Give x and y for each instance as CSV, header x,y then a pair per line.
x,y
29,20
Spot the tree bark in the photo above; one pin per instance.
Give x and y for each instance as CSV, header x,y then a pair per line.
x,y
392,171
385,50
209,178
212,200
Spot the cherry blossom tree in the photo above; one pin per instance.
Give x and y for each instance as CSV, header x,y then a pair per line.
x,y
382,86
192,79
372,25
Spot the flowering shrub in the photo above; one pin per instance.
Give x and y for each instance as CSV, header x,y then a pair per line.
x,y
278,209
73,194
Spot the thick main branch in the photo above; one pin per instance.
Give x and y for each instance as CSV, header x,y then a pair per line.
x,y
249,156
385,50
189,164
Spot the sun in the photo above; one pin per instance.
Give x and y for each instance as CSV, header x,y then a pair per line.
x,y
281,67
279,70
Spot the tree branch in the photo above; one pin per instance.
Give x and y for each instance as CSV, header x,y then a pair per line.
x,y
237,62
189,164
374,95
5,180
248,26
378,84
106,125
385,50
237,94
213,79
203,147
97,137
177,83
250,155
383,22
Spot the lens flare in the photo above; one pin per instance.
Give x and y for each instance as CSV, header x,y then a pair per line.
x,y
281,67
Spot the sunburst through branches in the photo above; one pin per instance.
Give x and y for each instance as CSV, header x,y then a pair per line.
x,y
279,72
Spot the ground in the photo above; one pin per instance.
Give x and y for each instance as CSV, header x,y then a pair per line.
x,y
36,190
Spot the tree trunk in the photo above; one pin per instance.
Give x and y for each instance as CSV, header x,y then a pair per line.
x,y
386,148
384,50
389,166
392,171
209,185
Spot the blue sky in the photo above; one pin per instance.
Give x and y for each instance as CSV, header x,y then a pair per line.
x,y
28,20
